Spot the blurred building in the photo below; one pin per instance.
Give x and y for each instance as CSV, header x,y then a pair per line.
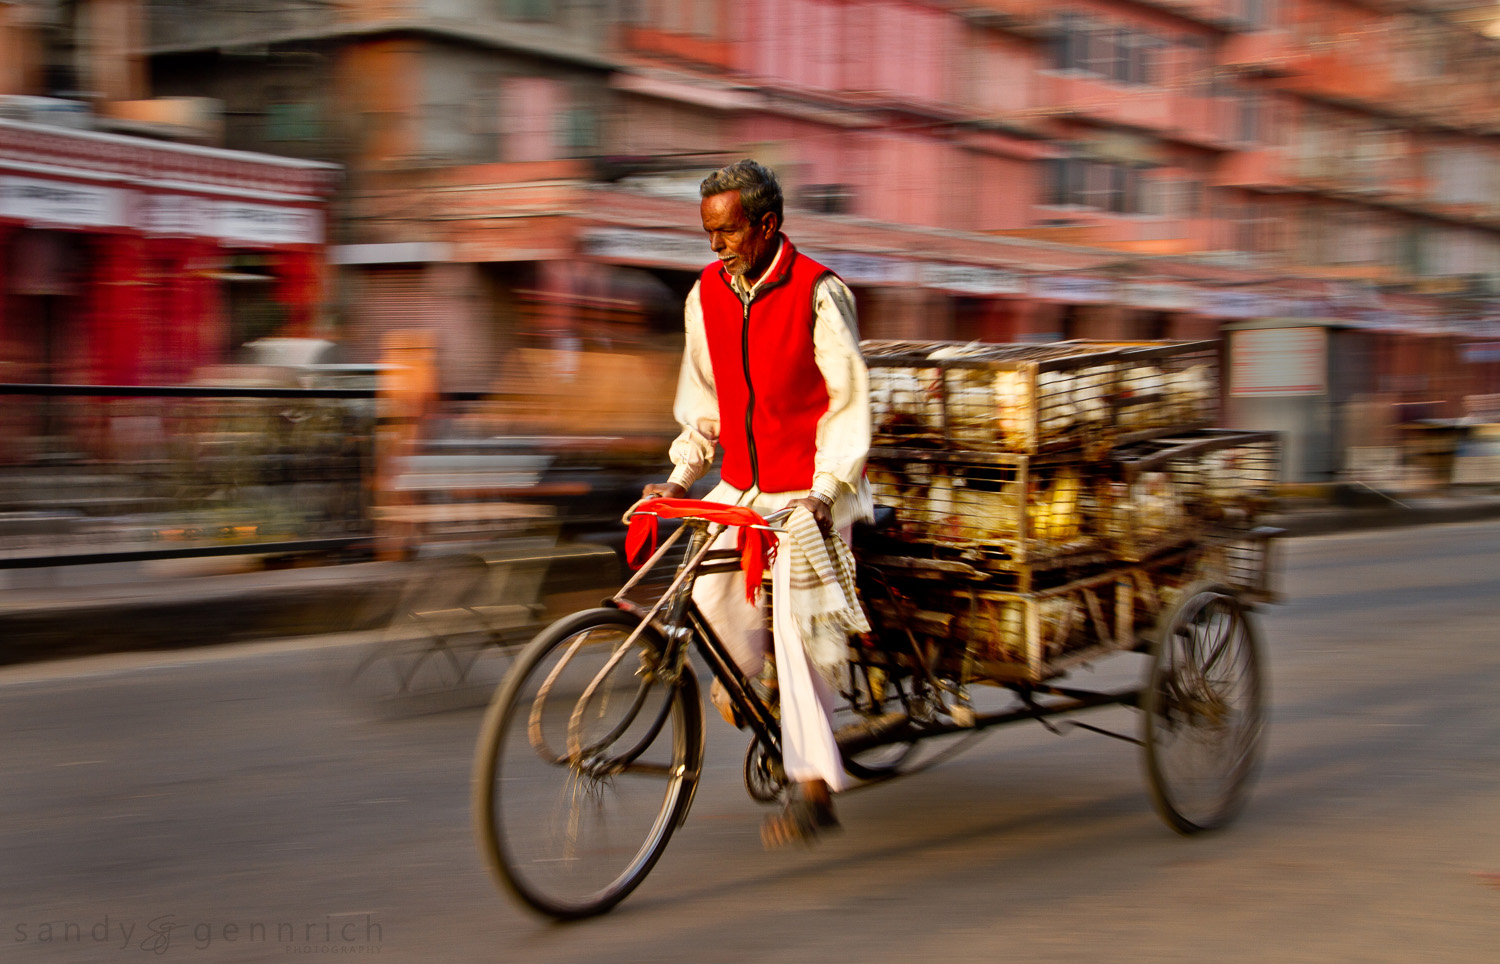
x,y
522,173
131,251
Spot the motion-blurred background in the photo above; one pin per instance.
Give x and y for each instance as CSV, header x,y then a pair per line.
x,y
485,212
397,284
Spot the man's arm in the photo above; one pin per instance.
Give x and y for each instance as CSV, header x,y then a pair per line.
x,y
696,409
843,436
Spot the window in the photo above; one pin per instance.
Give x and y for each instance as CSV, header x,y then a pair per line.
x,y
1103,43
484,118
62,44
532,10
1129,190
828,198
1069,181
1257,13
1410,250
1197,64
293,122
1248,128
1102,185
1122,54
1139,60
578,133
1055,189
1119,65
1192,198
1070,39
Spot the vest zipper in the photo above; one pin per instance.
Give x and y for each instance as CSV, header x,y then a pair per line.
x,y
750,402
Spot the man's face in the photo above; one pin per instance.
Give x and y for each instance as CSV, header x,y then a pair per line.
x,y
745,249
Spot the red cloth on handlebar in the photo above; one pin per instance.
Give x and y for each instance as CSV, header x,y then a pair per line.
x,y
755,546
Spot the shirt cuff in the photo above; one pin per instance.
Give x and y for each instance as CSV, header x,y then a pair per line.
x,y
826,488
684,476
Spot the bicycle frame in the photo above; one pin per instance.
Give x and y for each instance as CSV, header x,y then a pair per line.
x,y
680,621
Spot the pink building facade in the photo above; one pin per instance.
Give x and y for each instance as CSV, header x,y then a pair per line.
x,y
1004,170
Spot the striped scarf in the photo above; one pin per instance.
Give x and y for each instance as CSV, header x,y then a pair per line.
x,y
823,601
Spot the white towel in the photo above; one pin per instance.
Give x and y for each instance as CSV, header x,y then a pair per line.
x,y
823,600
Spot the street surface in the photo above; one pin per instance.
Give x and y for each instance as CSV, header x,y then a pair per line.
x,y
232,804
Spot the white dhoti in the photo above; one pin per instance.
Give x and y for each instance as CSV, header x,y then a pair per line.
x,y
807,700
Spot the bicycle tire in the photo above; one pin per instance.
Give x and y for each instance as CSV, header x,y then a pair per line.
x,y
1203,710
554,850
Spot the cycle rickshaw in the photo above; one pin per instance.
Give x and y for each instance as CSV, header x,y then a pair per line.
x,y
592,749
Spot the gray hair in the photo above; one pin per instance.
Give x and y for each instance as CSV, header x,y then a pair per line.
x,y
760,191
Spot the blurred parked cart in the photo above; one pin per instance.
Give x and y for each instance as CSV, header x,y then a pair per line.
x,y
489,532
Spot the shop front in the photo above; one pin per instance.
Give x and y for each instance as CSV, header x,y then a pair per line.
x,y
126,261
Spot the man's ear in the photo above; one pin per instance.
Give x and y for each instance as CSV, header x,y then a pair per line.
x,y
769,219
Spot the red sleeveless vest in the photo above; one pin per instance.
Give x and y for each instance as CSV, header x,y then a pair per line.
x,y
771,392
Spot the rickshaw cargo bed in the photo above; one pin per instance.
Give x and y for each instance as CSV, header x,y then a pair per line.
x,y
982,634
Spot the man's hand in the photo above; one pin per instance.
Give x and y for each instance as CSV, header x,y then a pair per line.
x,y
819,510
663,490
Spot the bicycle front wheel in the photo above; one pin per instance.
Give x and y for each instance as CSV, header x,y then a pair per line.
x,y
585,765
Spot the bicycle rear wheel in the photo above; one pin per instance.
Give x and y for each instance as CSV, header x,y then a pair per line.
x,y
1203,710
586,764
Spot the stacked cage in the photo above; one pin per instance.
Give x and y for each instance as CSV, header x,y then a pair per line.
x,y
1034,399
1044,493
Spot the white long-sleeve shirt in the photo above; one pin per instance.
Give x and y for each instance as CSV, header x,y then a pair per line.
x,y
843,433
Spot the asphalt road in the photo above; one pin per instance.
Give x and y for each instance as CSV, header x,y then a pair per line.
x,y
234,804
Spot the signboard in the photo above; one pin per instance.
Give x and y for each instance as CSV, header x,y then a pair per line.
x,y
651,247
1158,297
266,223
38,201
866,269
672,249
175,216
973,280
1232,303
1278,361
1479,352
1073,289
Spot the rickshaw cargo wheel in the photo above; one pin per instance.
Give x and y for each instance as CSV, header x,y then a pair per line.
x,y
1202,709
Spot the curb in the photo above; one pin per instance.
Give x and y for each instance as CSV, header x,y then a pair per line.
x,y
192,610
196,611
1324,520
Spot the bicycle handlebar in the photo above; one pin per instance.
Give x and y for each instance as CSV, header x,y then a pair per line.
x,y
641,508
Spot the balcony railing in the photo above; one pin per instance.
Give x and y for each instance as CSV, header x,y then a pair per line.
x,y
1263,51
1092,96
1262,168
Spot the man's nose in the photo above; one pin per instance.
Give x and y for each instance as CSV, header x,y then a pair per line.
x,y
716,241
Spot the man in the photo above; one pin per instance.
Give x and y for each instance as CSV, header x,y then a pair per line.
x,y
772,373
